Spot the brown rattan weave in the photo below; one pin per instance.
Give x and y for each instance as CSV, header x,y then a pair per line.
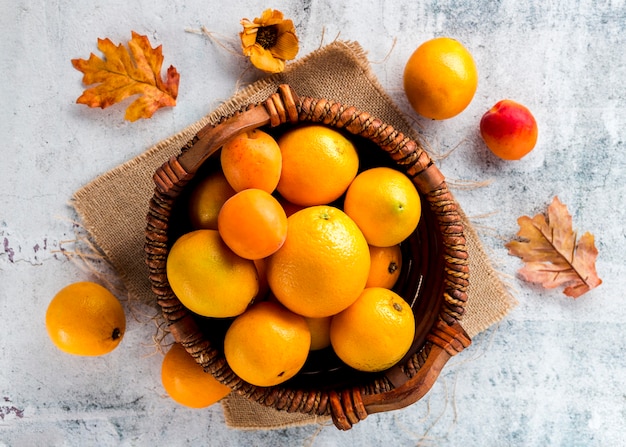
x,y
434,279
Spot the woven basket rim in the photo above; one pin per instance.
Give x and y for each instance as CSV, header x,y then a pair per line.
x,y
406,153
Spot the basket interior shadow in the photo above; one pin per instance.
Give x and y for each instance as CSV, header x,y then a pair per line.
x,y
433,279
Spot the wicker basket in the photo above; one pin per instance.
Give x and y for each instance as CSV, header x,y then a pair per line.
x,y
433,280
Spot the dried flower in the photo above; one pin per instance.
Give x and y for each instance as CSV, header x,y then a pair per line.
x,y
269,41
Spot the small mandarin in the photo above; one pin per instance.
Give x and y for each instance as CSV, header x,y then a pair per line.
x,y
252,160
267,345
318,165
207,199
85,319
440,78
252,223
289,207
375,332
320,332
385,266
264,287
208,277
186,382
385,205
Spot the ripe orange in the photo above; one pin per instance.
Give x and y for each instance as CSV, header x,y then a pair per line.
x,y
323,265
385,205
267,344
318,165
84,318
440,78
385,266
375,332
252,223
320,332
186,382
208,278
252,160
207,199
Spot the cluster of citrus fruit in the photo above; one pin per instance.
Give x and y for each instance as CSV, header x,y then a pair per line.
x,y
300,247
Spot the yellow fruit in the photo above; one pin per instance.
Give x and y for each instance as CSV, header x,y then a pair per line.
x,y
385,266
208,278
323,265
320,332
440,78
375,332
84,318
318,165
207,199
384,204
186,382
252,160
267,344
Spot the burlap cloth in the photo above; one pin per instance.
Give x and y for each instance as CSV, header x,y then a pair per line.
x,y
113,207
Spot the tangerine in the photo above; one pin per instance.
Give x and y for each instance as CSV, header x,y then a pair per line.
x,y
252,159
318,165
207,199
375,332
267,345
252,223
385,205
385,266
440,78
208,277
320,332
186,382
84,318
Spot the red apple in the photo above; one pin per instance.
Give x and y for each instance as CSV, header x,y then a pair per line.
x,y
509,130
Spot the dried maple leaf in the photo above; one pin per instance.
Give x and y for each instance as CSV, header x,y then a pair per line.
x,y
552,256
122,74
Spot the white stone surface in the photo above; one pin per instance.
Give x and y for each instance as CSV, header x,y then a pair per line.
x,y
551,374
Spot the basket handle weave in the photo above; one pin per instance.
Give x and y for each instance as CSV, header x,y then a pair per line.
x,y
445,339
279,108
350,406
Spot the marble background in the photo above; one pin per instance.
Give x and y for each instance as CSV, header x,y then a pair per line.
x,y
550,374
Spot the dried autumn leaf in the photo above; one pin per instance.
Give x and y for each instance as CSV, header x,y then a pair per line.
x,y
552,255
122,74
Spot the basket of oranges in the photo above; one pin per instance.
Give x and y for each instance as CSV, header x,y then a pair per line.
x,y
311,258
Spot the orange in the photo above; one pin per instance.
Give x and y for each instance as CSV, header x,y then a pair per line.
x,y
252,223
318,165
264,287
208,278
289,207
267,344
385,205
375,332
323,265
84,318
207,199
320,332
385,266
186,382
252,159
440,78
